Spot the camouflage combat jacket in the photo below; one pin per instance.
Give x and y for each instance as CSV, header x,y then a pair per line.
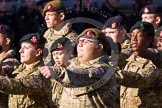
x,y
139,80
88,85
7,59
28,88
51,35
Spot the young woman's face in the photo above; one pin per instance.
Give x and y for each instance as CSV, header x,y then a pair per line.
x,y
140,40
27,53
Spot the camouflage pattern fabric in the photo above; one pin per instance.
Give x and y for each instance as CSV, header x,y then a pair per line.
x,y
28,88
138,79
88,85
51,35
7,59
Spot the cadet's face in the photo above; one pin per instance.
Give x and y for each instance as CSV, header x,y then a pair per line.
x,y
87,49
52,19
61,58
159,43
151,18
27,53
139,40
115,34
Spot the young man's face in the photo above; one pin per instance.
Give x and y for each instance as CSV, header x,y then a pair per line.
x,y
61,57
115,34
139,40
87,49
28,53
158,43
151,18
52,19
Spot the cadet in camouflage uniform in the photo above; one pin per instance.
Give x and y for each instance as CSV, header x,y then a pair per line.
x,y
8,62
140,76
61,51
28,88
54,14
116,28
89,79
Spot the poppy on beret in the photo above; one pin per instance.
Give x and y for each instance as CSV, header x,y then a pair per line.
x,y
55,5
60,44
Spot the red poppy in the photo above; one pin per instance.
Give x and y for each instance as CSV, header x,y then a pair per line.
x,y
146,10
51,8
89,33
34,40
60,46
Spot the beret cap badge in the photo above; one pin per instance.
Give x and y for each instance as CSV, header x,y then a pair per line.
x,y
60,46
34,40
113,25
50,8
146,10
89,33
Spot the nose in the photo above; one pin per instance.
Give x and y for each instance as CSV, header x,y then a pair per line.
x,y
158,44
80,44
46,17
21,50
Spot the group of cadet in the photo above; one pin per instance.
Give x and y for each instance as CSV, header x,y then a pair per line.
x,y
98,68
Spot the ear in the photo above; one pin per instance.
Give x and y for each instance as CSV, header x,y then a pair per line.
x,y
39,52
8,41
100,46
158,20
62,16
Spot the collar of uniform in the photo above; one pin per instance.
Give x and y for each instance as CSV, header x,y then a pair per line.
x,y
103,59
133,57
64,29
35,64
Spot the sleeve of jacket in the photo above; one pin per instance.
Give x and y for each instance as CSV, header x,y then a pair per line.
x,y
81,76
137,80
25,85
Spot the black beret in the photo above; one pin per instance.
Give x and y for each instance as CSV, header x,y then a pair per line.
x,y
144,26
115,22
151,9
33,38
5,29
60,44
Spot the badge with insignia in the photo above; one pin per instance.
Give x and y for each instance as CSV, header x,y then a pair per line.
x,y
113,25
142,26
34,40
99,71
89,33
51,8
60,46
146,10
